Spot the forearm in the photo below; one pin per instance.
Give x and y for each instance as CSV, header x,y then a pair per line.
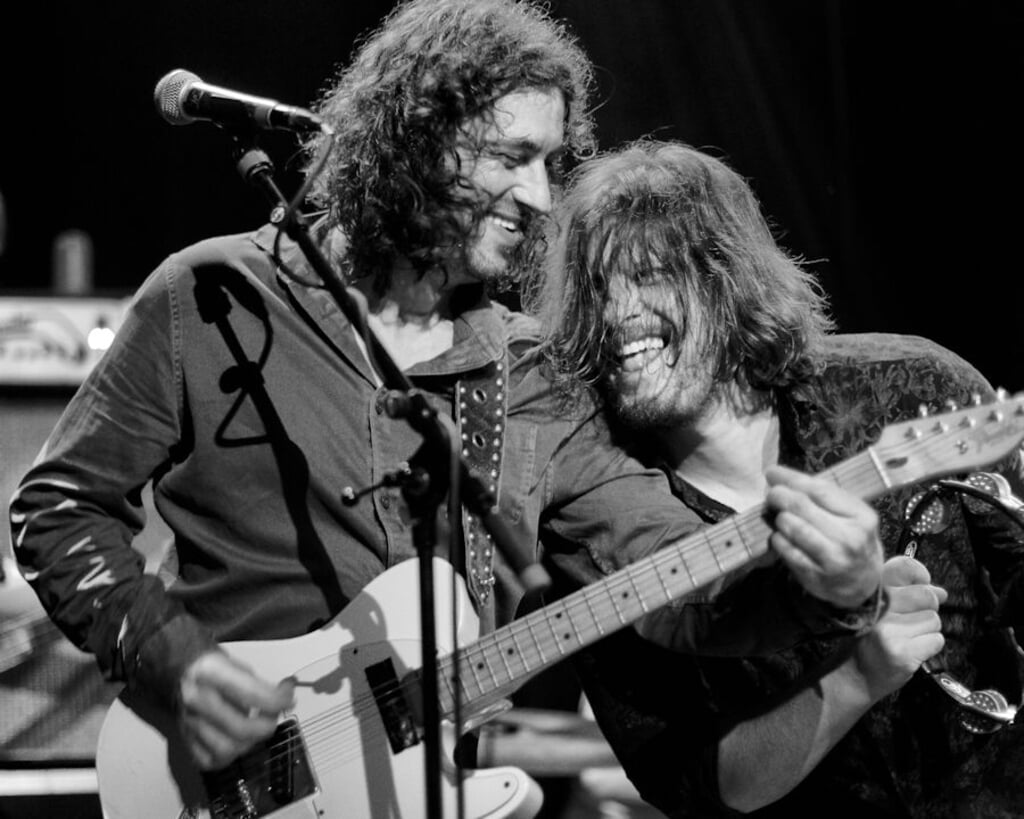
x,y
716,621
77,511
761,760
79,561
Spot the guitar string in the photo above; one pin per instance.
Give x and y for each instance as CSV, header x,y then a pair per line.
x,y
646,582
638,583
641,583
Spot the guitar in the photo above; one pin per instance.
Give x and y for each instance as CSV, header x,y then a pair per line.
x,y
352,747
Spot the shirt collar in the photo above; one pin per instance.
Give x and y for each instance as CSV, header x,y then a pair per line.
x,y
478,328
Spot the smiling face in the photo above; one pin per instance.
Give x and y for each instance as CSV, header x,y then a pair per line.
x,y
657,375
505,160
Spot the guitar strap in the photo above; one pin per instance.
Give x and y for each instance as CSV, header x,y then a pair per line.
x,y
481,402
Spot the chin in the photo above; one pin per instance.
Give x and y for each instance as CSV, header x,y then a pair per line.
x,y
493,266
650,413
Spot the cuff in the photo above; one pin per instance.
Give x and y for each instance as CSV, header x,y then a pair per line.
x,y
157,666
855,621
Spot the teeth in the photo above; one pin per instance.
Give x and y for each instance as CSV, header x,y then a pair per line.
x,y
642,345
508,224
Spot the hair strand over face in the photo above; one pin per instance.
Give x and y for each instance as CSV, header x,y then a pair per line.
x,y
663,211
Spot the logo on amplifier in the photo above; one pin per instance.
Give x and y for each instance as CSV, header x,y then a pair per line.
x,y
54,341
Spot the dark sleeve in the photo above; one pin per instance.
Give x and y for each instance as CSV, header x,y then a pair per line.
x,y
653,707
606,512
77,510
997,530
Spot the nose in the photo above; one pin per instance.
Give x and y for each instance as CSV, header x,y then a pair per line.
x,y
622,300
533,188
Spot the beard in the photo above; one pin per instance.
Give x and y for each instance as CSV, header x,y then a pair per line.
x,y
670,409
496,270
502,270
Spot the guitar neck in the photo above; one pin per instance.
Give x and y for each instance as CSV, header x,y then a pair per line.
x,y
497,664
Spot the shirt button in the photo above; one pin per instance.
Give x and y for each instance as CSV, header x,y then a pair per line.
x,y
385,501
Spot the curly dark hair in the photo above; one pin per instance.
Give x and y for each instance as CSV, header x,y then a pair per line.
x,y
665,205
391,182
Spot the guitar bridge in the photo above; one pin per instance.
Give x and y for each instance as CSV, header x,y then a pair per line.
x,y
273,775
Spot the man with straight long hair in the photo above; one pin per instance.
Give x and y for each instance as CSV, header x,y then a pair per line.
x,y
712,350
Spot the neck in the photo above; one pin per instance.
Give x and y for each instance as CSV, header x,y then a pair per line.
x,y
725,453
412,319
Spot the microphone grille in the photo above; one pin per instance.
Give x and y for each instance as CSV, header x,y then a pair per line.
x,y
169,93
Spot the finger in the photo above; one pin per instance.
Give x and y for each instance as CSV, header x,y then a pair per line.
x,y
903,570
842,582
928,645
836,546
823,491
206,705
793,556
804,516
922,597
238,685
210,747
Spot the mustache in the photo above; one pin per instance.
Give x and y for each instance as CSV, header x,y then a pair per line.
x,y
619,333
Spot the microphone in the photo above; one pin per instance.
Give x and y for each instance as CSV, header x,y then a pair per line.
x,y
182,98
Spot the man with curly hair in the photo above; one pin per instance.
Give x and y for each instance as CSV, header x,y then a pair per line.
x,y
246,397
711,347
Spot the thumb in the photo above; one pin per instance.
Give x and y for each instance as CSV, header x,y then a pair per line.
x,y
903,570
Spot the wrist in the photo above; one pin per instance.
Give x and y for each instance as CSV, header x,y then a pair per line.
x,y
862,618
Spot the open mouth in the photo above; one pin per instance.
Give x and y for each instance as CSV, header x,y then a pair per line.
x,y
511,225
638,342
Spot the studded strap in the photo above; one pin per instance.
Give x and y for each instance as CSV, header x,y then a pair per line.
x,y
480,413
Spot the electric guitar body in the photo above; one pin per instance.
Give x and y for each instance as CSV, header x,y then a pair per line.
x,y
352,749
335,754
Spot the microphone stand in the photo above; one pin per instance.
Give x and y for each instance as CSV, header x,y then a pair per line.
x,y
435,467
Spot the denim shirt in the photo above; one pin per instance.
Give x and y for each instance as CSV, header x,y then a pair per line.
x,y
236,388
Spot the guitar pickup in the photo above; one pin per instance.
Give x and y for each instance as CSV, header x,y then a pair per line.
x,y
395,709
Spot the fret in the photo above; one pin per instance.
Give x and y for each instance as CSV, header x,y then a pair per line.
x,y
666,589
678,549
700,558
445,673
501,652
559,615
606,587
484,662
469,662
593,615
631,577
528,622
519,649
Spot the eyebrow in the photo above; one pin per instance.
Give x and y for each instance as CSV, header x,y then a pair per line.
x,y
525,145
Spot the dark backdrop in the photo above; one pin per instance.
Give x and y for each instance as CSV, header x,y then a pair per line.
x,y
882,137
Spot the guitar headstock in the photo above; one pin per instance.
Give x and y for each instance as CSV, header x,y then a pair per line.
x,y
959,440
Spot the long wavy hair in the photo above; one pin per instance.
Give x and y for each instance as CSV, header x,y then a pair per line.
x,y
664,211
392,183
